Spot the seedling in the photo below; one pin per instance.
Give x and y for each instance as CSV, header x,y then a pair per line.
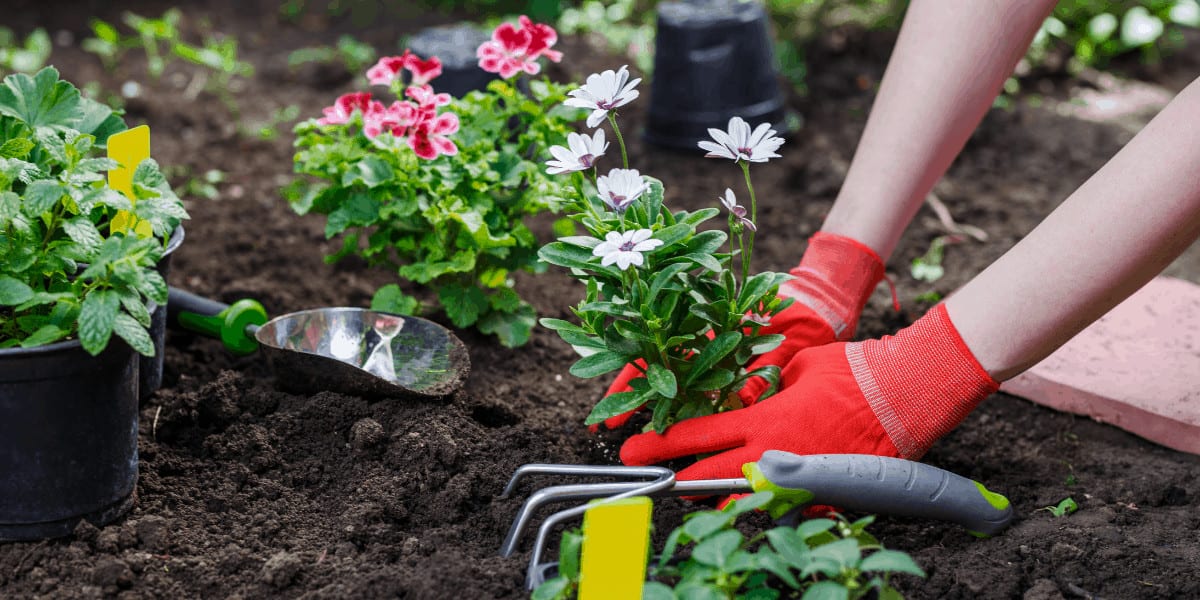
x,y
27,57
349,52
1065,507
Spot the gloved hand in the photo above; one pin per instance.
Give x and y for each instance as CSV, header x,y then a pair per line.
x,y
835,277
889,397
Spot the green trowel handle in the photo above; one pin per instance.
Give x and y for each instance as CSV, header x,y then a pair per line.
x,y
883,485
229,323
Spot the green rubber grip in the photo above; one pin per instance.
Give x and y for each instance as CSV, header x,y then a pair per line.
x,y
883,485
225,322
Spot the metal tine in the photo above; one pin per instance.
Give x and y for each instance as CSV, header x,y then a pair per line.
x,y
582,470
578,491
539,545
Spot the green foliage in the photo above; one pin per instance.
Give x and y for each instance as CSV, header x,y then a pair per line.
x,y
1095,31
1063,508
26,57
349,52
626,25
819,558
60,276
455,223
162,39
683,312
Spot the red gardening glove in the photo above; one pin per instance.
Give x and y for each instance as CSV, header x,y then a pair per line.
x,y
888,397
832,284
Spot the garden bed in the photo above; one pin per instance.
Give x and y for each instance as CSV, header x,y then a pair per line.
x,y
248,491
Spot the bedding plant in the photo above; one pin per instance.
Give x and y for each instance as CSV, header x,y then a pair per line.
x,y
661,293
66,271
438,187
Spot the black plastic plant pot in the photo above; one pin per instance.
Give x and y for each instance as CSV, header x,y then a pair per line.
x,y
713,61
455,46
150,368
68,438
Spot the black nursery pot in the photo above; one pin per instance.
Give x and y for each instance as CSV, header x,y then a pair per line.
x,y
713,61
68,438
455,46
150,368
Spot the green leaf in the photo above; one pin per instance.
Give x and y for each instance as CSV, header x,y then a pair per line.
x,y
14,291
718,549
463,304
755,288
715,379
98,120
773,563
701,259
41,196
1140,28
40,101
891,561
46,334
371,171
615,404
358,210
654,590
813,527
16,148
662,380
845,553
790,545
701,525
752,502
598,364
134,334
762,344
717,349
390,299
82,231
568,554
552,589
1102,26
513,328
826,590
97,318
671,235
699,591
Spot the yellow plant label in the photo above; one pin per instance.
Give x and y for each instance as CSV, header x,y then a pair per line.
x,y
129,148
616,540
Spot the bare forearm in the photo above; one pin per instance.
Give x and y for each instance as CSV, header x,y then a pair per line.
x,y
1118,230
946,69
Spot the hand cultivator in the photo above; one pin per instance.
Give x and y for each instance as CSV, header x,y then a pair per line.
x,y
856,482
351,350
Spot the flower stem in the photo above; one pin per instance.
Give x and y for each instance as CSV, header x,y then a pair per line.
x,y
612,118
749,249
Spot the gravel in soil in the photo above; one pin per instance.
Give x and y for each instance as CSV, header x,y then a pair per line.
x,y
246,491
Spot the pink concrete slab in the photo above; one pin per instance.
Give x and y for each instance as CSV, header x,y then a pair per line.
x,y
1138,367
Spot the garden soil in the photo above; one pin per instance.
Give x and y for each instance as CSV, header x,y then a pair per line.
x,y
249,492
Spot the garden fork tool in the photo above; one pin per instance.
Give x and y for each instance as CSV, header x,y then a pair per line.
x,y
351,350
860,482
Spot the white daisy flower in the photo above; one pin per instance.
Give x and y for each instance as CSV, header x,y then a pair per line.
x,y
579,155
625,248
604,92
739,211
620,188
739,143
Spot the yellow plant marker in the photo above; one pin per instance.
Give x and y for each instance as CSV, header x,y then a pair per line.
x,y
616,540
129,148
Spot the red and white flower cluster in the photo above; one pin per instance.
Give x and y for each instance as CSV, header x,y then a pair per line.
x,y
514,49
415,120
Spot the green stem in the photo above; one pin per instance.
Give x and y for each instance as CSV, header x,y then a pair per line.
x,y
749,247
612,119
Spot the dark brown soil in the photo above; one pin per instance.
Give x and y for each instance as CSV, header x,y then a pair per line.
x,y
249,492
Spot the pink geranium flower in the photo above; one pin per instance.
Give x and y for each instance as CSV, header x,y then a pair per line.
x,y
388,68
429,139
377,119
515,49
343,108
423,71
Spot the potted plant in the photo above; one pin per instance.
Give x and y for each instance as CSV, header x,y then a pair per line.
x,y
438,187
677,302
68,389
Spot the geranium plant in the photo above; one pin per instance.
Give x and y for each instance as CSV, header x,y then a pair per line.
x,y
63,273
438,187
676,301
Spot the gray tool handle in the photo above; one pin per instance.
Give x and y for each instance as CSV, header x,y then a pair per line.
x,y
891,486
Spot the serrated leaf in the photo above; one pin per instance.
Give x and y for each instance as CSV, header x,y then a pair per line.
x,y
463,304
41,196
14,291
82,231
891,561
513,328
97,318
134,334
16,148
40,101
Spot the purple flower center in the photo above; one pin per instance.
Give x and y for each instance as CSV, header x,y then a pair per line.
x,y
606,104
746,151
587,160
627,246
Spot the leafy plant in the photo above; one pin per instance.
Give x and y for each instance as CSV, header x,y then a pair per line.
x,y
626,25
818,558
24,57
1095,31
1065,507
660,293
445,212
349,52
162,39
60,275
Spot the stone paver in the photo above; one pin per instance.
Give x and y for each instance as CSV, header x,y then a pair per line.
x,y
1138,367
